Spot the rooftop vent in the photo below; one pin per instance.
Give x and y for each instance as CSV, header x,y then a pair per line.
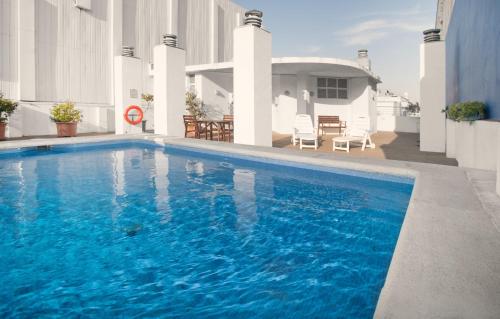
x,y
170,40
432,35
362,53
254,17
128,51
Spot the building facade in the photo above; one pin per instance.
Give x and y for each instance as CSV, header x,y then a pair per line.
x,y
300,85
58,50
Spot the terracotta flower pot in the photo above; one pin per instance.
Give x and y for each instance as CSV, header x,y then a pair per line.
x,y
2,131
66,129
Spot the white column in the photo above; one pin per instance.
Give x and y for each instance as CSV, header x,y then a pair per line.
x,y
432,97
252,86
169,90
214,32
115,16
26,51
173,17
128,89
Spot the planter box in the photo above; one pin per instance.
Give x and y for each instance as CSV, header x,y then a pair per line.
x,y
451,127
66,129
476,144
2,131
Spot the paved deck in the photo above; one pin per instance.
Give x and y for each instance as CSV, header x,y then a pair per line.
x,y
389,145
446,262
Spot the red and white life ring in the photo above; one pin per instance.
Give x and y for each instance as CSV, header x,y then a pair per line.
x,y
129,117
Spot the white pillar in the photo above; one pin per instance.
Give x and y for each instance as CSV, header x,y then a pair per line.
x,y
169,90
252,86
115,18
26,51
432,97
128,89
214,32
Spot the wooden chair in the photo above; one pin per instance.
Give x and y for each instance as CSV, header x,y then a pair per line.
x,y
228,128
192,127
330,121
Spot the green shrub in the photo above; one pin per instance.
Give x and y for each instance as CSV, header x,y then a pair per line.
x,y
7,107
466,111
65,113
195,106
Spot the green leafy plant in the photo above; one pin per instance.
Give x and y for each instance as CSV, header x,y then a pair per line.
x,y
65,113
7,107
195,106
466,111
148,99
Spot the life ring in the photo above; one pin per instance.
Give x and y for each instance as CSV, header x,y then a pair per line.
x,y
127,115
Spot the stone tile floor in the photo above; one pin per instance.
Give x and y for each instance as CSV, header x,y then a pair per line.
x,y
388,145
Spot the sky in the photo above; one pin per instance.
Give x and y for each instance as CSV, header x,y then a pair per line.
x,y
391,30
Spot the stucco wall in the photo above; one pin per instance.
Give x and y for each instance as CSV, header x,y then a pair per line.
x,y
284,103
472,54
8,39
473,144
392,123
214,90
357,106
33,118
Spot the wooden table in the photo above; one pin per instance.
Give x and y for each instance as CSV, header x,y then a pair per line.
x,y
224,128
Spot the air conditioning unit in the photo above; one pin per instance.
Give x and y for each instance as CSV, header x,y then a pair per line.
x,y
83,4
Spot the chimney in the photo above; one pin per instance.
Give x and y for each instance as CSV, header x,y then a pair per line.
x,y
432,35
364,60
128,51
170,40
254,17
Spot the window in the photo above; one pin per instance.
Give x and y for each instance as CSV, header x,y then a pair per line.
x,y
331,88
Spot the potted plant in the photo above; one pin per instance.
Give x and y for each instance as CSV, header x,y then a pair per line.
x,y
66,117
466,111
148,100
194,106
7,107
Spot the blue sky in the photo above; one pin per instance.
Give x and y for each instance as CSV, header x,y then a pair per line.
x,y
390,30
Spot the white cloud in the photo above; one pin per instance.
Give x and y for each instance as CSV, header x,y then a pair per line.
x,y
369,31
382,25
313,49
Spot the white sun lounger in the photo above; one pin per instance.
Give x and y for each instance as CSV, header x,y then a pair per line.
x,y
342,143
304,131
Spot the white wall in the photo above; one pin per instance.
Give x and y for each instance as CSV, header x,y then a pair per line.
x,y
214,89
359,104
8,46
475,144
72,45
392,123
33,118
284,103
451,138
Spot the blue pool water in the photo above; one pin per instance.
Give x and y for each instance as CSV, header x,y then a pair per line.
x,y
134,230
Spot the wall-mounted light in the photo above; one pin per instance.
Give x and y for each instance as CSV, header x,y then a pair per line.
x,y
83,4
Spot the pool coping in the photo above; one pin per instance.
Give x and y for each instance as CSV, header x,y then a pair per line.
x,y
446,262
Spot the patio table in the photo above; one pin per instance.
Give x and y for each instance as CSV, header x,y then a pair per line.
x,y
223,127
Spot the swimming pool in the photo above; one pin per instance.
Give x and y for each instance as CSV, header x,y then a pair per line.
x,y
138,230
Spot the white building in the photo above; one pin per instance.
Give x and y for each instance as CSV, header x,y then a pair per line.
x,y
394,114
58,50
314,86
